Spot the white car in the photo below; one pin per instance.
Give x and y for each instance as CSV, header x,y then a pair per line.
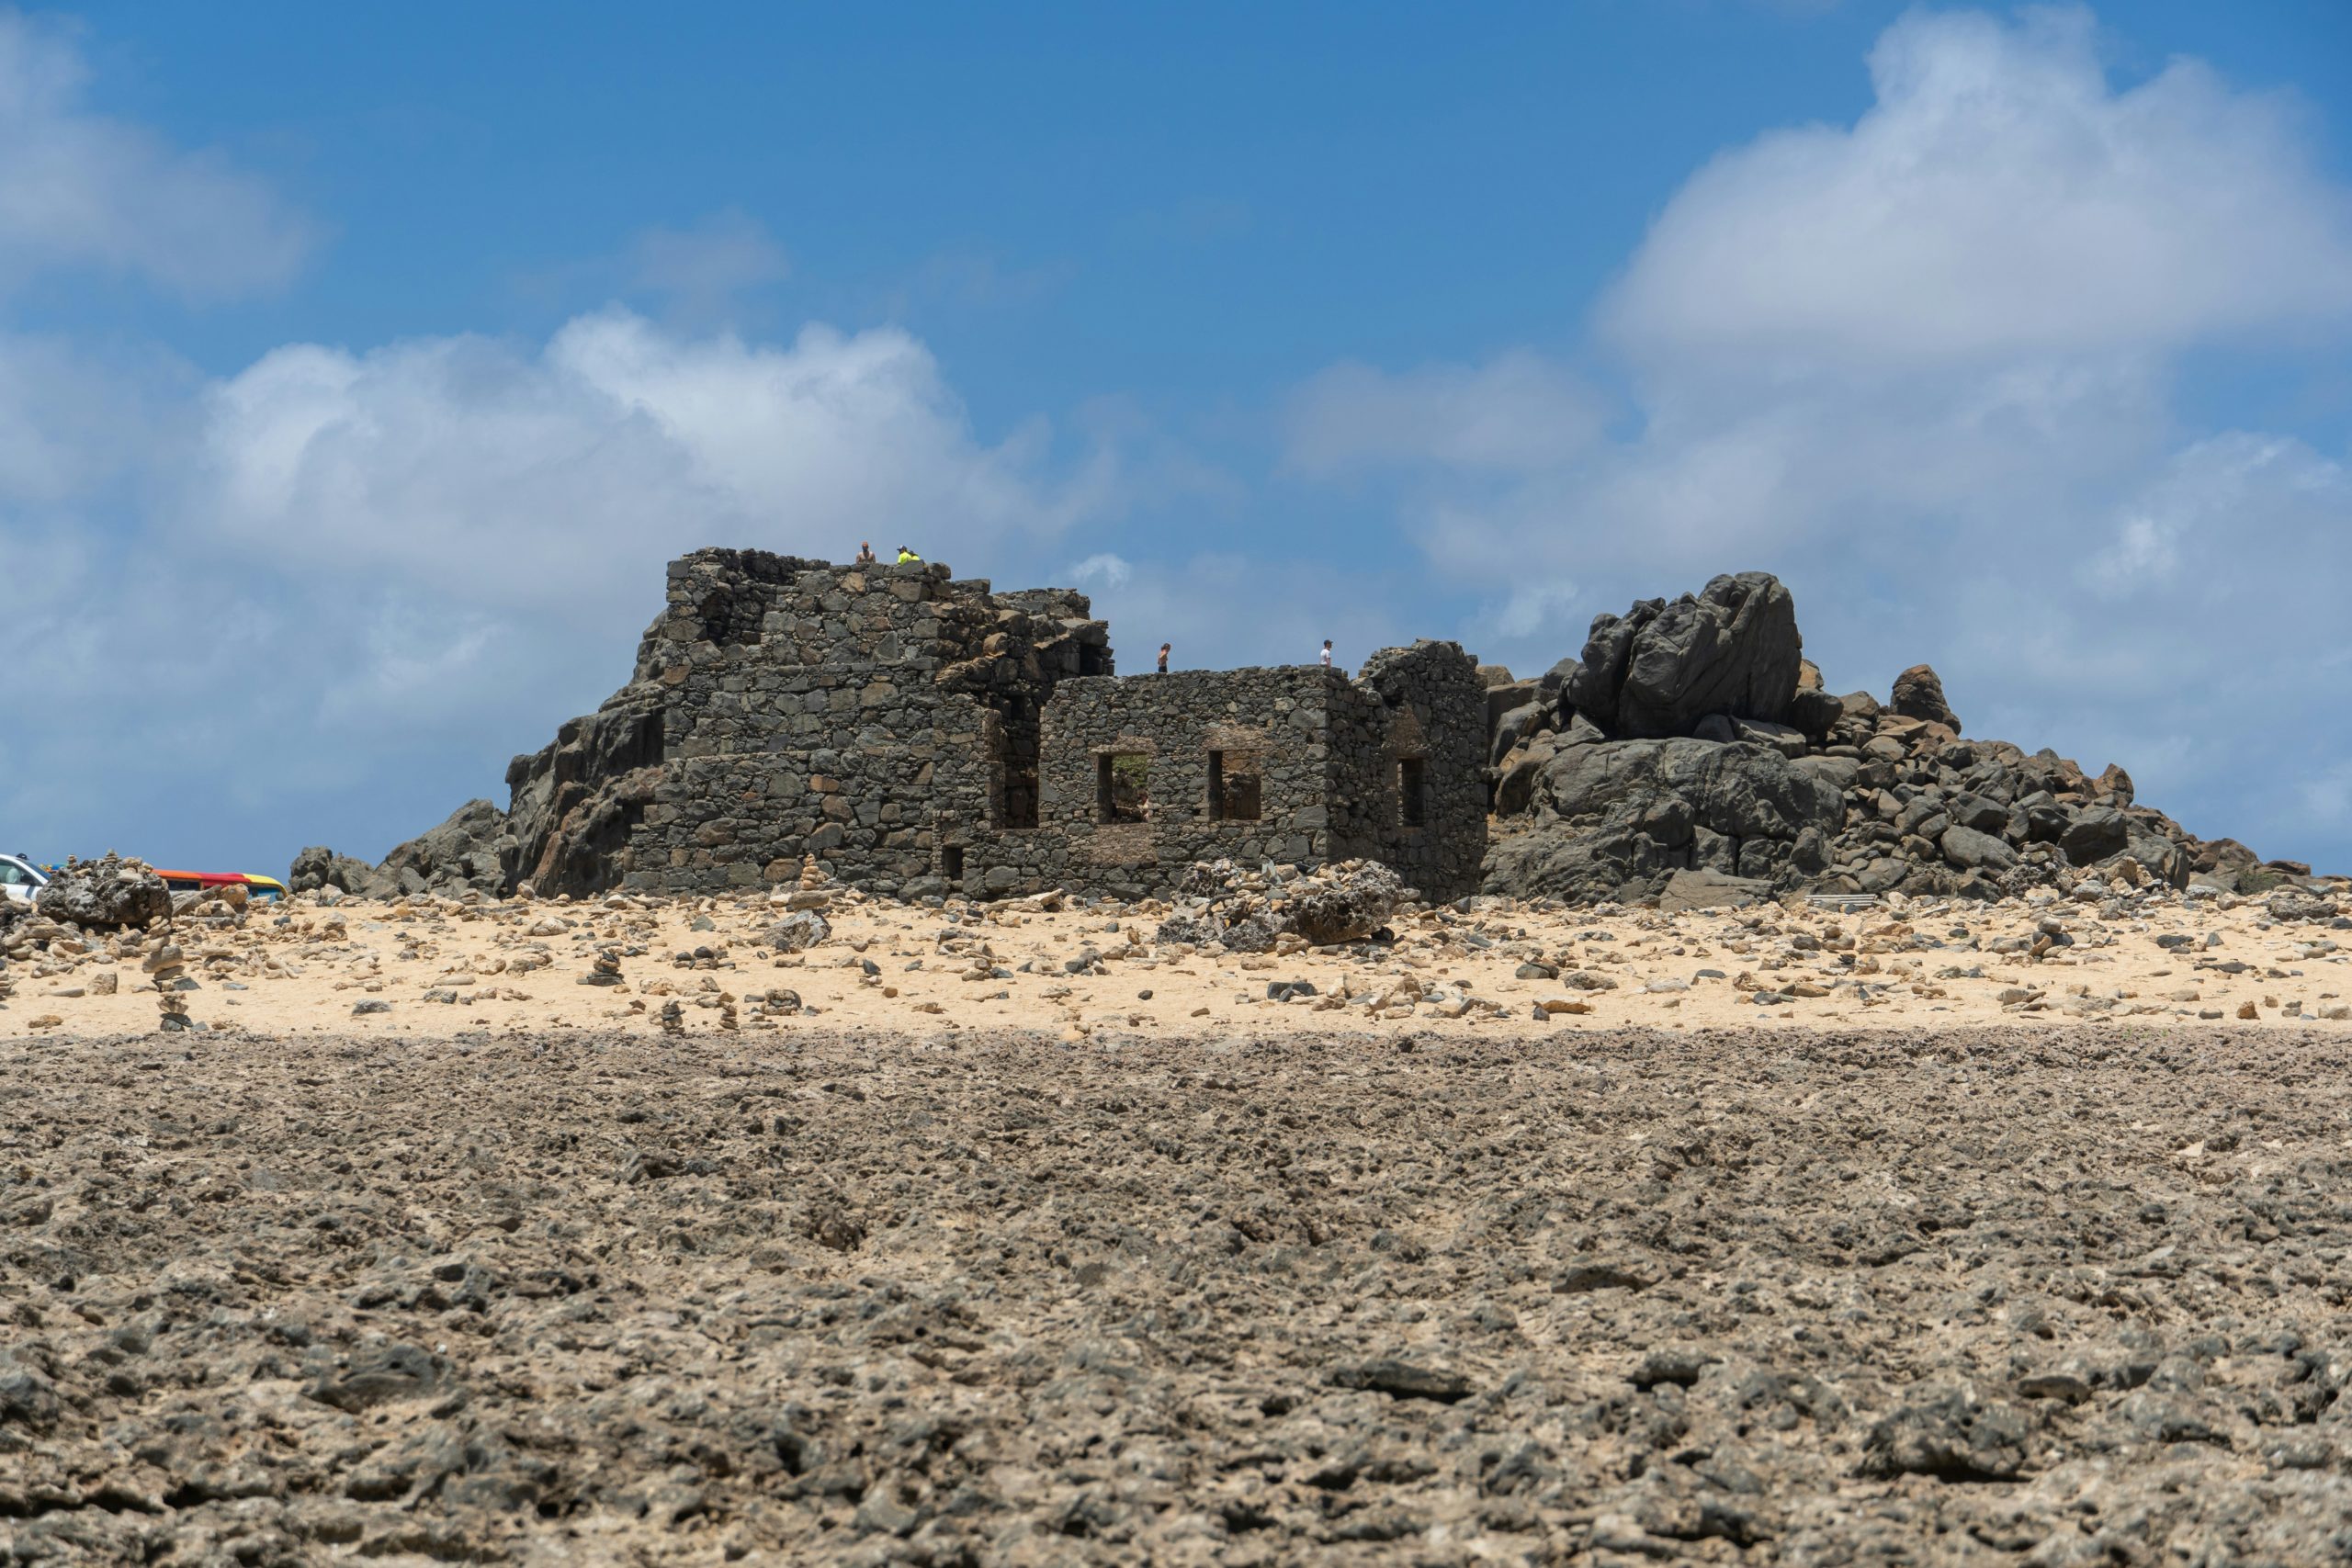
x,y
20,878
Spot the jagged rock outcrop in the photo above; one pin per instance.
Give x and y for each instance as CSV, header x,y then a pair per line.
x,y
1656,670
105,894
1832,794
470,849
1624,816
318,866
576,800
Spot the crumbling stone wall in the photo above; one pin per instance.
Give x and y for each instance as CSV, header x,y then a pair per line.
x,y
1434,707
1326,754
842,712
918,733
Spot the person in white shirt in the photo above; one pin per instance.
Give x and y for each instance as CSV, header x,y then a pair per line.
x,y
1326,653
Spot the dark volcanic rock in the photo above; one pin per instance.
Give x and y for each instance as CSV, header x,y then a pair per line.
x,y
1733,649
107,894
575,802
2095,834
470,849
1951,1433
318,866
1920,694
1620,817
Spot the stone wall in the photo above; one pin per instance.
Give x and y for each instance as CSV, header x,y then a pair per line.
x,y
1296,764
1433,709
919,733
844,713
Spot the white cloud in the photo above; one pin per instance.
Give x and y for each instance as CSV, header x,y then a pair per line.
x,y
564,476
1998,199
1515,413
1105,571
82,191
1538,608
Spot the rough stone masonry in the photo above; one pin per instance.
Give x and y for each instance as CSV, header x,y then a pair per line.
x,y
923,735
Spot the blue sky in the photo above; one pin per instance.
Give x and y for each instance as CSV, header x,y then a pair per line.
x,y
357,370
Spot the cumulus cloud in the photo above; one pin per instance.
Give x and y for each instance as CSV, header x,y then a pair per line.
x,y
1104,569
562,475
80,190
1999,198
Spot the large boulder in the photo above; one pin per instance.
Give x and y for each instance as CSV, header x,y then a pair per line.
x,y
1513,728
1617,818
1920,694
1346,902
470,849
318,866
1971,850
2096,833
1733,649
107,894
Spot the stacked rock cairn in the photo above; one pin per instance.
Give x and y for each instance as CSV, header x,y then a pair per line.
x,y
606,970
167,966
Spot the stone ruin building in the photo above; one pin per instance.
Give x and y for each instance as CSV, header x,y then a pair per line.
x,y
920,734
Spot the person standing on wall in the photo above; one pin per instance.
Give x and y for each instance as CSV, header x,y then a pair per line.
x,y
1163,659
1326,653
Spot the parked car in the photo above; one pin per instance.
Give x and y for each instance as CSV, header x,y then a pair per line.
x,y
20,878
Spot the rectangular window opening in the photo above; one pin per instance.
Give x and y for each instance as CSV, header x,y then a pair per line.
x,y
1412,792
1123,786
1237,787
951,863
1011,737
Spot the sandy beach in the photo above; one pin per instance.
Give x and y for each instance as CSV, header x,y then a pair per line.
x,y
433,966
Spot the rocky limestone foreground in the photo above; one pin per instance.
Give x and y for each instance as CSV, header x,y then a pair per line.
x,y
1993,1296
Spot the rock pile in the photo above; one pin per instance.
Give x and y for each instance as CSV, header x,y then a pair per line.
x,y
1245,911
472,848
1693,738
107,894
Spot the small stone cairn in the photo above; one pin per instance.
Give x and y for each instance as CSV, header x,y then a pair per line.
x,y
167,966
